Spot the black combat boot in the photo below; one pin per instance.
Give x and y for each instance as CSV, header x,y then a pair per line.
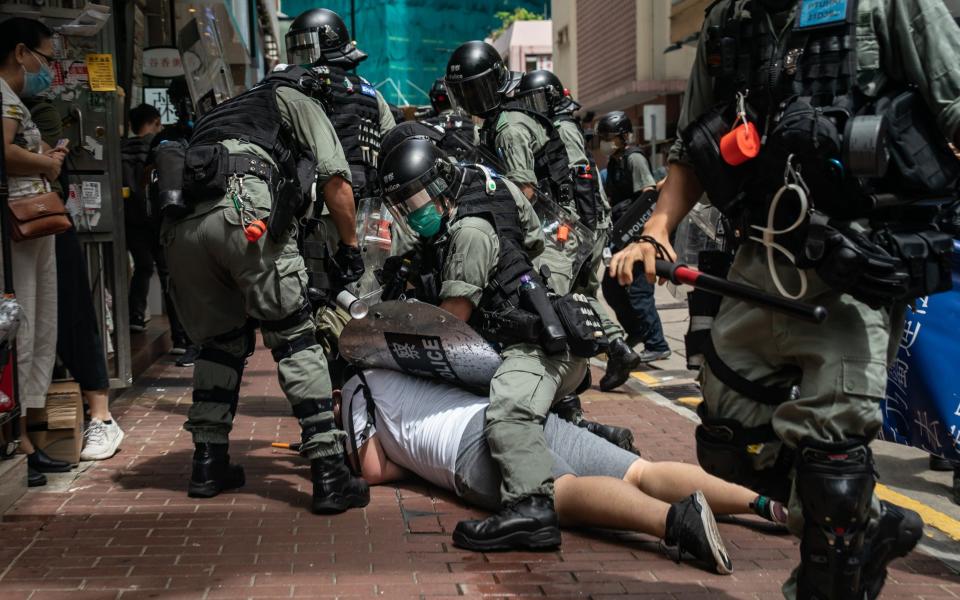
x,y
530,523
569,409
335,489
894,535
212,471
621,360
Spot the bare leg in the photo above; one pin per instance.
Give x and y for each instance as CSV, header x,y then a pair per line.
x,y
624,506
99,404
25,444
674,481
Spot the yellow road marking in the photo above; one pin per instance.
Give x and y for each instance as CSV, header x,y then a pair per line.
x,y
646,377
690,400
930,516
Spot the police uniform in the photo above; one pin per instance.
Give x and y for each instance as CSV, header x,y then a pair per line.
x,y
588,282
628,174
533,153
529,381
808,396
220,281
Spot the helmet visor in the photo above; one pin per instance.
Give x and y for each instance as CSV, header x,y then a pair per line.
x,y
535,101
418,207
477,95
303,47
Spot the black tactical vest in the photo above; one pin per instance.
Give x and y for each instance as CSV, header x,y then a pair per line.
x,y
500,300
254,117
355,113
551,164
619,185
586,183
458,135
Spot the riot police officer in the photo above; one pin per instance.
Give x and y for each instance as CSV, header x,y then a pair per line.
x,y
800,124
534,157
319,40
542,91
460,135
478,237
251,165
629,181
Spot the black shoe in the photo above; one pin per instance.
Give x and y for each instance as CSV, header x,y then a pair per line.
x,y
188,358
618,436
39,461
35,478
530,523
649,356
569,409
138,324
212,471
621,360
335,489
894,535
694,530
938,463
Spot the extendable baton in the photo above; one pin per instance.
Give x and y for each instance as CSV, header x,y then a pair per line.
x,y
682,274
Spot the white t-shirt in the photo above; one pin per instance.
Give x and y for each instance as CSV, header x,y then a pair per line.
x,y
419,422
28,138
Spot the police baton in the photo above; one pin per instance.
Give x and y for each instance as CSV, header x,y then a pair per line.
x,y
682,274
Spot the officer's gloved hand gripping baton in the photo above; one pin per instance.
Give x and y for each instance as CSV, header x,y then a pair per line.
x,y
682,274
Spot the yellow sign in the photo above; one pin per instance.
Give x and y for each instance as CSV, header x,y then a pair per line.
x,y
100,70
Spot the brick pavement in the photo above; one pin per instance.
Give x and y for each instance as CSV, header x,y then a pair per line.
x,y
126,529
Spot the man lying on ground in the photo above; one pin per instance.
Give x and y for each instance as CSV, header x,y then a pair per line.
x,y
402,424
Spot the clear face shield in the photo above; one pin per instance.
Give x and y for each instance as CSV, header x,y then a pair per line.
x,y
419,208
304,48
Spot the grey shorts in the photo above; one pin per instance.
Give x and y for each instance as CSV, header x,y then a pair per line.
x,y
575,451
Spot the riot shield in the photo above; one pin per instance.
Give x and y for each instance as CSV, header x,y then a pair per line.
x,y
420,339
201,53
374,237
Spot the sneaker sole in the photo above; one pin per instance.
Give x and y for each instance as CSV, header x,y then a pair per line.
x,y
720,556
209,489
104,455
546,538
337,504
178,351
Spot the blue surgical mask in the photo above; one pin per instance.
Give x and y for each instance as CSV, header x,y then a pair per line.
x,y
35,84
425,220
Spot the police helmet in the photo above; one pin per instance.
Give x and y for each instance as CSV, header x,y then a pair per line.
x,y
417,178
409,129
477,79
541,91
439,99
320,37
614,124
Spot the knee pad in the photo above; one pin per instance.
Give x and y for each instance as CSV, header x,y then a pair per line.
x,y
726,449
308,414
835,483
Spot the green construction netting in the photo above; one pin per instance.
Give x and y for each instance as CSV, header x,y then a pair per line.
x,y
409,41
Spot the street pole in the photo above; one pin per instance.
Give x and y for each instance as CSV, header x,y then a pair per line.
x,y
653,142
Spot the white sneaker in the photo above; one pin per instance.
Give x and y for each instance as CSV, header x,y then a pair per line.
x,y
100,440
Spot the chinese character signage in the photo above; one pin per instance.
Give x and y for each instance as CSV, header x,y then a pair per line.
x,y
162,62
922,407
158,98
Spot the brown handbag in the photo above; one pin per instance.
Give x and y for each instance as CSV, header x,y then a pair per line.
x,y
37,216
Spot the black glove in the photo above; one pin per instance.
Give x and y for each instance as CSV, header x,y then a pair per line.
x,y
855,265
347,264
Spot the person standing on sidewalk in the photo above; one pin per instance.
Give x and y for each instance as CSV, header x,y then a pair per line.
x,y
250,171
79,344
141,226
774,97
629,180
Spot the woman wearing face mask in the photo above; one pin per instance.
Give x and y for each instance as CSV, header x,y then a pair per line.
x,y
25,56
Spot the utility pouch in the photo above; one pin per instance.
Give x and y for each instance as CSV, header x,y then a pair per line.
x,y
166,185
205,171
584,330
926,257
513,326
922,163
584,195
721,182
